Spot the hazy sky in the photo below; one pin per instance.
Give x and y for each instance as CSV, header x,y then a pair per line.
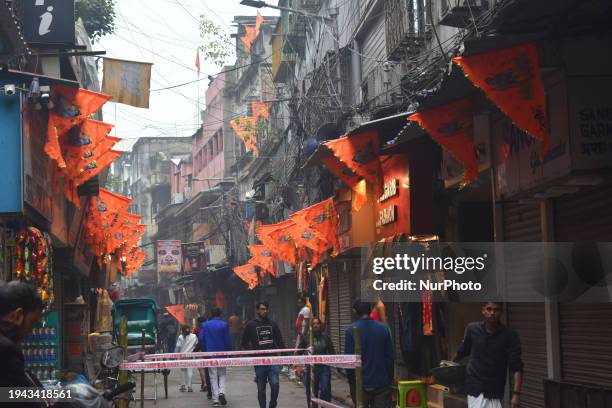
x,y
166,33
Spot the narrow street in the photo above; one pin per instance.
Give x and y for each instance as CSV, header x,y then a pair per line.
x,y
241,391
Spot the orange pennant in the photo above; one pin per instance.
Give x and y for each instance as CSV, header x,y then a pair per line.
x,y
263,257
71,107
96,166
178,311
276,238
259,21
511,79
78,164
349,178
451,126
249,37
322,220
248,274
260,109
360,153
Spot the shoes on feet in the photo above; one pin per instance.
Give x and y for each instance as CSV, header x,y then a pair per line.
x,y
182,388
216,404
203,388
209,396
189,389
222,399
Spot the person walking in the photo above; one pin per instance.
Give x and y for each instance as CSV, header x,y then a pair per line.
x,y
494,349
321,345
262,333
377,358
204,378
235,324
215,336
186,343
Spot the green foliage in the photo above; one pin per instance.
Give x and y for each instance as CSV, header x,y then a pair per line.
x,y
98,17
216,45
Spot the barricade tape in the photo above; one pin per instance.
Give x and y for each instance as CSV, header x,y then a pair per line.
x,y
351,361
325,404
201,354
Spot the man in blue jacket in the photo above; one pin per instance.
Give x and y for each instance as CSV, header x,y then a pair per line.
x,y
215,336
377,358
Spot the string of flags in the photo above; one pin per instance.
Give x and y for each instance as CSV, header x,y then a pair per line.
x,y
246,127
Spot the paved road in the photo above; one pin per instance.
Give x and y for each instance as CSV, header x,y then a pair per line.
x,y
241,391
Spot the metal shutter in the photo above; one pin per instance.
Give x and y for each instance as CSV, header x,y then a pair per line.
x,y
522,224
334,309
344,304
586,329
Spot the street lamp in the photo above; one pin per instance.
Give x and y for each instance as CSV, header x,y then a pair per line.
x,y
263,4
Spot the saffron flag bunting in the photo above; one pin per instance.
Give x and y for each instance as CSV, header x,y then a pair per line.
x,y
349,178
248,274
511,79
276,238
178,311
260,109
261,256
451,126
322,220
71,107
360,153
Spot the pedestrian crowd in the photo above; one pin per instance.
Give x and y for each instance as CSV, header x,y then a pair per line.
x,y
493,348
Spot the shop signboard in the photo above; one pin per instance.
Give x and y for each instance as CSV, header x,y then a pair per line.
x,y
590,116
11,182
519,165
169,256
37,167
392,208
194,257
48,22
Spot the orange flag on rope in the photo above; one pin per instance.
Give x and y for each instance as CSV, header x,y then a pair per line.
x,y
77,165
276,238
306,237
95,167
249,37
360,153
88,135
349,178
322,219
261,256
248,274
451,126
511,79
178,311
260,109
259,21
130,229
71,107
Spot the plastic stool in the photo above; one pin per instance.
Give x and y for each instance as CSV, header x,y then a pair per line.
x,y
411,394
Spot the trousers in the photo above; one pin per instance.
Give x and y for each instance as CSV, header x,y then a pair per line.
x,y
187,374
482,402
263,375
217,381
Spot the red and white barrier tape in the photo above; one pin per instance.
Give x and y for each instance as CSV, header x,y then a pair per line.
x,y
185,356
351,361
325,404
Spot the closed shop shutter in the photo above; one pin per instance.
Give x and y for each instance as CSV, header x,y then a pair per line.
x,y
586,329
334,310
344,304
522,224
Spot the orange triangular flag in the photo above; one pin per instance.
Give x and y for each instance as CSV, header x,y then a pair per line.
x,y
451,126
178,311
259,21
360,153
511,79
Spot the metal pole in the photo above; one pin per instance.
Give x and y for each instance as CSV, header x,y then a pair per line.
x,y
313,386
142,373
123,343
358,370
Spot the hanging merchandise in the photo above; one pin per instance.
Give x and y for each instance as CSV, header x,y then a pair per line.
x,y
451,126
511,79
33,262
248,274
71,107
427,313
323,291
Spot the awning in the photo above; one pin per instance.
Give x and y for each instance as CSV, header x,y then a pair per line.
x,y
388,128
45,80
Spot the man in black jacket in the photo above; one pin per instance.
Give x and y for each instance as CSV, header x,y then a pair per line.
x,y
262,333
20,308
